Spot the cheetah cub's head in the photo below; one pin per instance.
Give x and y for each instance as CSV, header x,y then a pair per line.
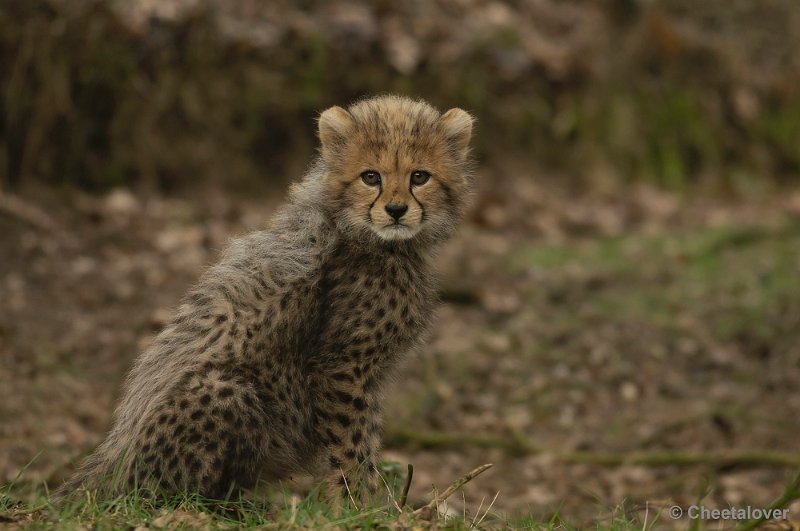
x,y
395,167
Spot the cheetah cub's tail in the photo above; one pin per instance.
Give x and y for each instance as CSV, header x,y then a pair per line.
x,y
103,469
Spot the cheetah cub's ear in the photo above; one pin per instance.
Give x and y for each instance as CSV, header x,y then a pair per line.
x,y
335,125
457,127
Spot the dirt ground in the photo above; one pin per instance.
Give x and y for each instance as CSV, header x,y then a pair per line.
x,y
613,324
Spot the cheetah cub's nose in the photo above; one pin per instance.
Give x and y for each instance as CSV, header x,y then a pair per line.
x,y
396,211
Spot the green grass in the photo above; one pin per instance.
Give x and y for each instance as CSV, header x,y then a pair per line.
x,y
191,512
276,508
272,508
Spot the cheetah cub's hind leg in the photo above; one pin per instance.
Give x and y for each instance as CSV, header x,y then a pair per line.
x,y
205,436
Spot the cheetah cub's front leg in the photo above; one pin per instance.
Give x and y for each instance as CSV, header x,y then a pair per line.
x,y
351,428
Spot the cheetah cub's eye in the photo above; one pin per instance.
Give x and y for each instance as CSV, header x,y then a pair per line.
x,y
420,177
371,178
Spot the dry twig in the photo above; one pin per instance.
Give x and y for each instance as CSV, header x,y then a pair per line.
x,y
407,486
457,484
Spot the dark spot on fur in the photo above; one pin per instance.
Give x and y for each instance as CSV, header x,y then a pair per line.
x,y
343,419
197,414
344,397
225,392
205,399
359,403
214,338
333,438
248,400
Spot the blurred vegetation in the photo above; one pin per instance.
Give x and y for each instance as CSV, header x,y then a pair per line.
x,y
88,99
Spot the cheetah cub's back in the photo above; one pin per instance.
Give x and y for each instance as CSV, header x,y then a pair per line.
x,y
274,362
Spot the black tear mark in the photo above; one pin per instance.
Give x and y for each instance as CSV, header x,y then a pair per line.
x,y
380,192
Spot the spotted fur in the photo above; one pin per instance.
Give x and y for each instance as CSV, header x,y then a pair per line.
x,y
274,363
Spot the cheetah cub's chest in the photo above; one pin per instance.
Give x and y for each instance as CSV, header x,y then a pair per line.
x,y
374,308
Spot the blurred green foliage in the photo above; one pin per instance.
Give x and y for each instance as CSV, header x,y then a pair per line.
x,y
88,101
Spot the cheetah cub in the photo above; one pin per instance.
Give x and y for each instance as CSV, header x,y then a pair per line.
x,y
274,362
